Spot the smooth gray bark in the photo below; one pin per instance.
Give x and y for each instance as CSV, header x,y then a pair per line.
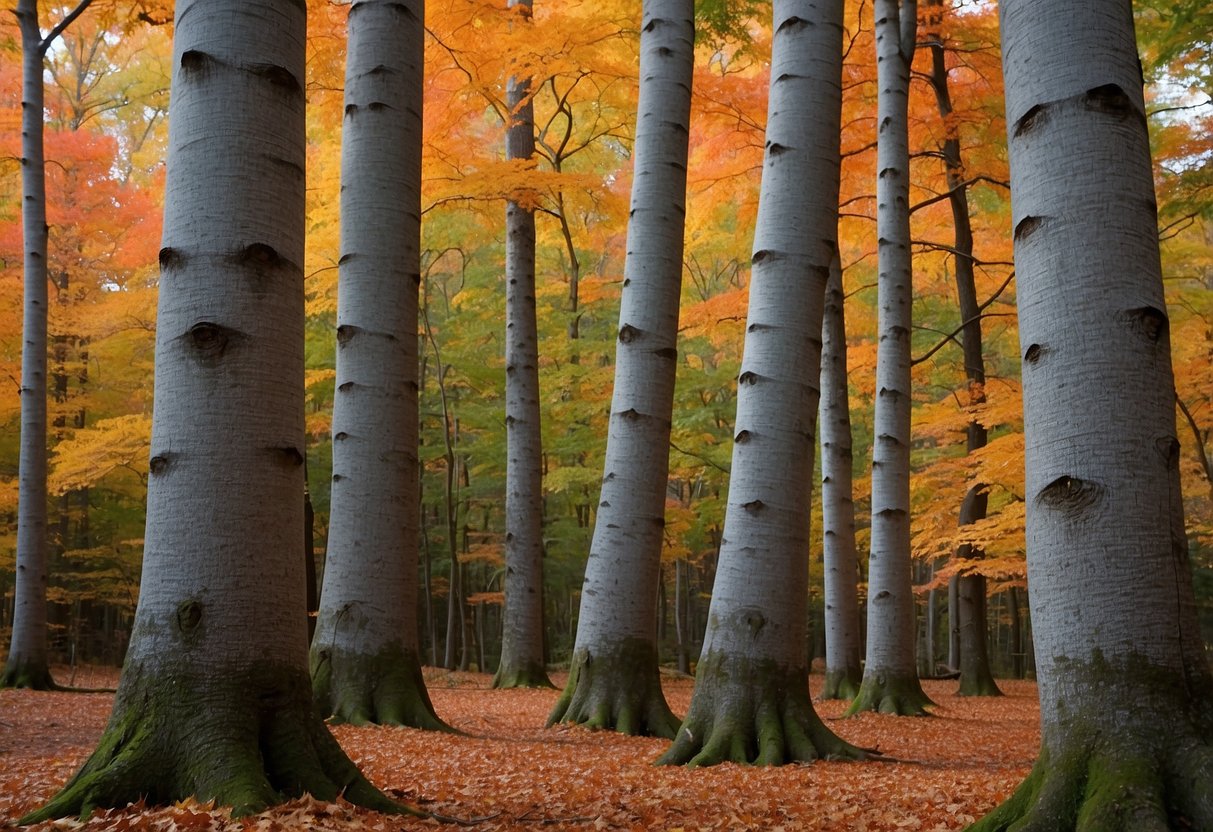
x,y
890,681
844,671
214,700
1125,689
751,701
522,663
614,681
365,655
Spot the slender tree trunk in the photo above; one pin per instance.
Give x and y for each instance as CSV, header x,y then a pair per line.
x,y
365,657
1016,627
975,676
522,662
215,700
614,680
751,701
841,565
954,623
890,680
1125,689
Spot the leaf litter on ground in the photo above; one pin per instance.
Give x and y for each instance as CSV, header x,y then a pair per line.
x,y
507,772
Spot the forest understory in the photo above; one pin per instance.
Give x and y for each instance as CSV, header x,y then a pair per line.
x,y
509,773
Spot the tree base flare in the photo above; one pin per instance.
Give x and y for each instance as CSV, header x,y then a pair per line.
x,y
382,689
28,675
521,676
982,684
618,691
885,693
756,713
841,684
1122,787
248,739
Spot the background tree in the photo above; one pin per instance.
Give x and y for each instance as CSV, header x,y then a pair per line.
x,y
522,659
890,676
751,700
215,700
614,680
365,657
1125,687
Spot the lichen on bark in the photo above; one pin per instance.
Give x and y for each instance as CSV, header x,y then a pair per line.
x,y
27,674
620,691
525,675
241,737
841,684
386,688
888,693
753,712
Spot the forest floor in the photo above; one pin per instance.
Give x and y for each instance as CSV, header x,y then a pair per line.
x,y
509,773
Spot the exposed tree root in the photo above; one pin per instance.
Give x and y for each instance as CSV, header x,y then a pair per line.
x,y
756,713
28,675
247,741
841,684
1124,786
619,691
522,676
888,694
384,689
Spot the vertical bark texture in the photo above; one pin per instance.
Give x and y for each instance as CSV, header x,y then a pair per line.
x,y
890,680
614,680
1124,684
751,701
522,662
28,662
365,658
843,669
214,699
975,676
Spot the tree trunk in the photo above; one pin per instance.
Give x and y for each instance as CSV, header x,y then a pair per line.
x,y
1125,689
841,565
522,662
28,664
365,657
975,676
215,700
614,680
751,702
890,679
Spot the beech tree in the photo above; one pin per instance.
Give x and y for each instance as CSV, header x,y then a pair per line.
x,y
522,662
215,700
28,663
844,647
1125,689
751,701
890,676
365,655
614,680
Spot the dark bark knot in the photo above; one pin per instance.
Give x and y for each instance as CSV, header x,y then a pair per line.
x,y
1029,121
742,437
793,24
279,76
748,378
287,456
754,506
1027,227
196,63
160,463
754,621
628,333
170,258
1109,99
668,353
189,616
1033,353
1168,449
1070,494
209,342
1148,322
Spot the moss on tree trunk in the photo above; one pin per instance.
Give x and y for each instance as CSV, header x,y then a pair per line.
x,y
246,738
886,693
382,689
618,691
754,712
841,684
27,674
532,675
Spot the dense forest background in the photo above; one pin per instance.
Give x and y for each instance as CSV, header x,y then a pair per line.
x,y
107,102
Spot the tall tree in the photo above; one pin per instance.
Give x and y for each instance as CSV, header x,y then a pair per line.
x,y
215,699
1125,689
365,656
28,663
975,676
522,663
751,700
890,677
844,672
614,680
